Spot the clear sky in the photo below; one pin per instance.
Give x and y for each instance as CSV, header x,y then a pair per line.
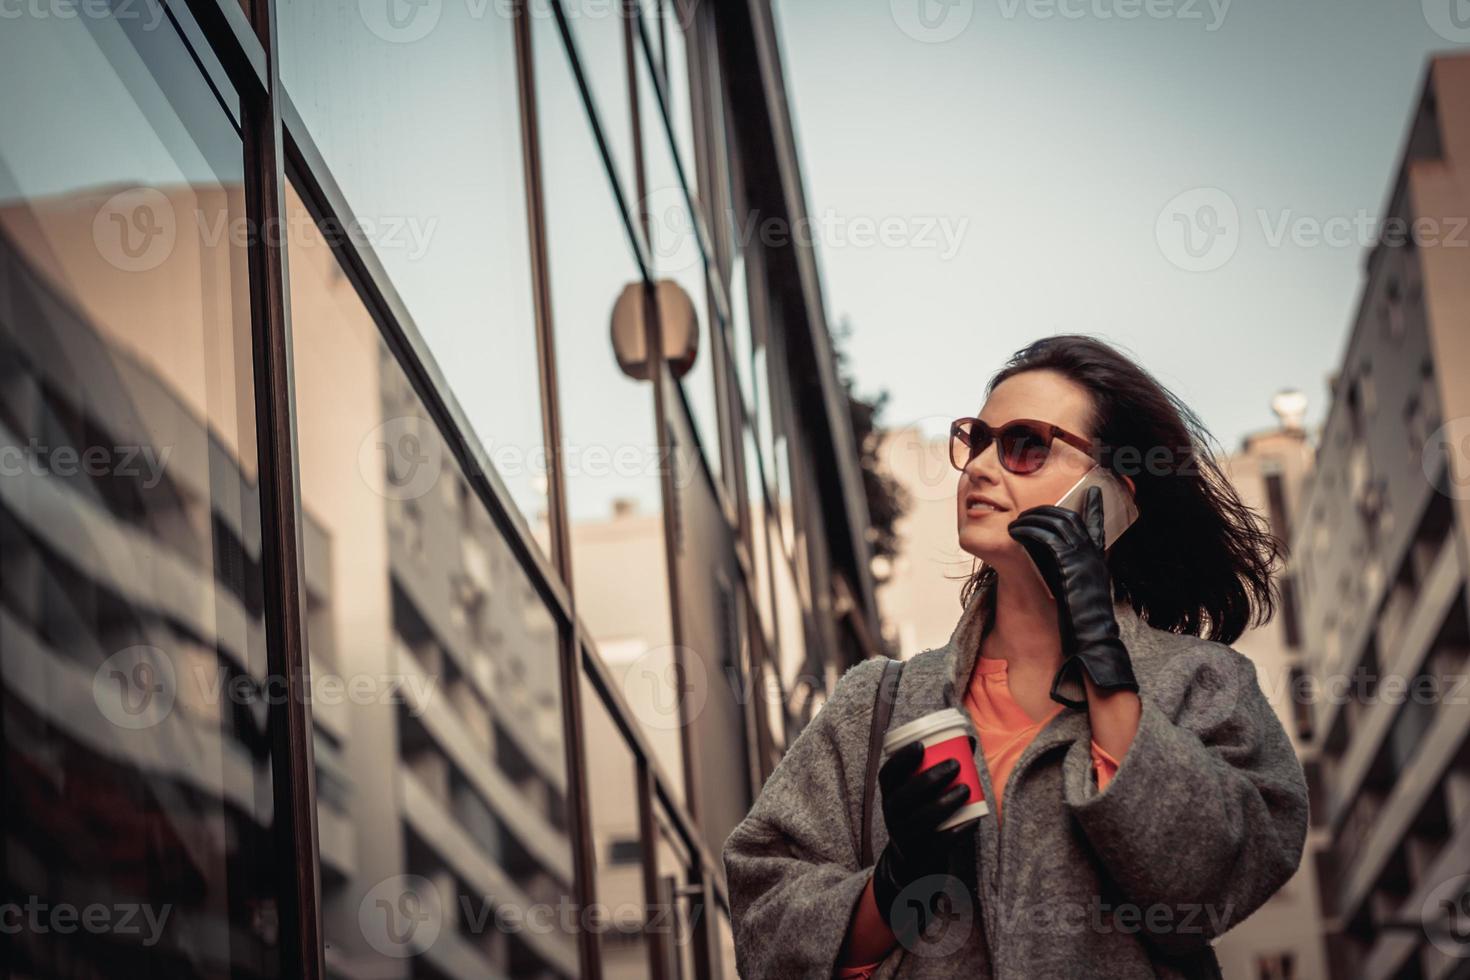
x,y
1054,139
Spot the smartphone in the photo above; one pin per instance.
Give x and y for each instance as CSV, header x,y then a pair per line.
x,y
1119,510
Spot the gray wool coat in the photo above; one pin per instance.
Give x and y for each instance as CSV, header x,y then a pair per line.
x,y
1204,820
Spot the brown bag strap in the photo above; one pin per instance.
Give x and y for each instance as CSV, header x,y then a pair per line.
x,y
882,711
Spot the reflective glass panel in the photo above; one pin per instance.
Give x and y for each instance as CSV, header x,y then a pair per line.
x,y
676,255
612,786
438,709
134,688
414,108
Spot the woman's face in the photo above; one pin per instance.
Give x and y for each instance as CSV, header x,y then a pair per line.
x,y
1045,396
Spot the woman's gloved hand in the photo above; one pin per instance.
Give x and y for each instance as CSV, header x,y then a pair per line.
x,y
1067,549
914,805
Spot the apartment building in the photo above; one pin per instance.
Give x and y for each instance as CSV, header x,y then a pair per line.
x,y
1379,561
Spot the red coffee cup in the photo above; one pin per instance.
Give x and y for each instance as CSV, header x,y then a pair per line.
x,y
946,735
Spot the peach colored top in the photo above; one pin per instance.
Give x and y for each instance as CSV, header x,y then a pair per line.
x,y
1004,730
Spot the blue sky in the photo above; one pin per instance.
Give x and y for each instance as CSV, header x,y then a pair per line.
x,y
1067,146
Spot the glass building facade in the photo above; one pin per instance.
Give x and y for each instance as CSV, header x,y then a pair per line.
x,y
365,611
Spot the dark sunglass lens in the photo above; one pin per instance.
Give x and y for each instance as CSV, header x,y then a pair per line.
x,y
1023,449
965,444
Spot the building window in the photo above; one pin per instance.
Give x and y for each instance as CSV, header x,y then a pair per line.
x,y
1276,966
136,736
450,724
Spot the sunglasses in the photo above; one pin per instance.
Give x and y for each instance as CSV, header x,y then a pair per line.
x,y
1023,445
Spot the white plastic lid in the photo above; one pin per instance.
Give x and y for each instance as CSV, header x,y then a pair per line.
x,y
934,723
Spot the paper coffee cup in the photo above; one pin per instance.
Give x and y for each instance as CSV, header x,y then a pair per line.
x,y
946,735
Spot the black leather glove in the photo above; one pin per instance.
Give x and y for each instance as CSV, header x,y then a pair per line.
x,y
914,805
1067,549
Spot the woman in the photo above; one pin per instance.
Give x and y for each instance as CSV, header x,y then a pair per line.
x,y
1144,797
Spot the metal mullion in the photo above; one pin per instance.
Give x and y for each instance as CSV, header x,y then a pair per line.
x,y
659,378
573,718
648,834
289,724
234,41
692,841
703,962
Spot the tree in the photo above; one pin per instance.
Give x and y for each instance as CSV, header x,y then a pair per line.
x,y
888,501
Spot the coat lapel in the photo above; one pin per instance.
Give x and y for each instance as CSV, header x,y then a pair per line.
x,y
1067,727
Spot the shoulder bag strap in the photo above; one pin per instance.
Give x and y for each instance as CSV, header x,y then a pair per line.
x,y
882,711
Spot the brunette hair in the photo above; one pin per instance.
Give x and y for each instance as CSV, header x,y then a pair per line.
x,y
1197,560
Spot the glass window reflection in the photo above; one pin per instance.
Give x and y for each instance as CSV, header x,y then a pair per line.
x,y
599,29
614,466
133,670
674,243
414,108
444,755
612,786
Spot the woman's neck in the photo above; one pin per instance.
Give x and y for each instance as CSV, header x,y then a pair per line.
x,y
1024,625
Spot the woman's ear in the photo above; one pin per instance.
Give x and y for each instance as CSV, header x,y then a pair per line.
x,y
1132,490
